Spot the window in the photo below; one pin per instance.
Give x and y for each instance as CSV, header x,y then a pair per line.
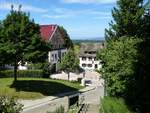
x,y
83,65
52,57
55,56
83,58
89,65
96,66
86,52
90,58
94,58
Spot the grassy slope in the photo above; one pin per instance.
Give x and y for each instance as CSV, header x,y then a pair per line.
x,y
32,88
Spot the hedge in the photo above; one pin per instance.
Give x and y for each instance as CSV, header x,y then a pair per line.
x,y
21,73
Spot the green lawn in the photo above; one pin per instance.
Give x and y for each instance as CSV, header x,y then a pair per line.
x,y
32,88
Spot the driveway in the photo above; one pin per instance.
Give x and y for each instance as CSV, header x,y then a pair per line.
x,y
92,76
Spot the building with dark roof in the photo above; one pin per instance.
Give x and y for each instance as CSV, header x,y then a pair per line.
x,y
87,55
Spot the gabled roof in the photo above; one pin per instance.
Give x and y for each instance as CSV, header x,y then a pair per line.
x,y
47,31
91,48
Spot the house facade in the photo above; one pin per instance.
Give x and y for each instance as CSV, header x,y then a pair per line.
x,y
52,34
87,56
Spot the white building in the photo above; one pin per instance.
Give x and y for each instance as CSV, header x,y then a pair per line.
x,y
52,34
87,56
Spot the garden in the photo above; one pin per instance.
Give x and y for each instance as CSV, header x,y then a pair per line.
x,y
33,88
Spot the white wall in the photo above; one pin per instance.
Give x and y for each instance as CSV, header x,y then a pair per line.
x,y
52,54
90,62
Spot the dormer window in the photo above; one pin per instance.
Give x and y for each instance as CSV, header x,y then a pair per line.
x,y
83,58
90,58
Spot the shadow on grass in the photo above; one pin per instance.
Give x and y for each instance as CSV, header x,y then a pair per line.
x,y
46,88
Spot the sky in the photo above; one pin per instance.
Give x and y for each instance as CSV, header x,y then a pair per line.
x,y
83,19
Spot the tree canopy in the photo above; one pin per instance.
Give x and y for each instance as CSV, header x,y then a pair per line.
x,y
68,41
126,64
20,40
127,16
69,63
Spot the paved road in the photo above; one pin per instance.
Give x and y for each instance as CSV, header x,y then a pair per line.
x,y
91,97
48,106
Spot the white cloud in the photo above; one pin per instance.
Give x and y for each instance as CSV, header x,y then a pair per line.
x,y
89,1
57,16
63,13
7,6
58,13
103,17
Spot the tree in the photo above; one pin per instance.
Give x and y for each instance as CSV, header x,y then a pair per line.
x,y
119,59
142,89
21,41
127,18
68,42
69,62
126,57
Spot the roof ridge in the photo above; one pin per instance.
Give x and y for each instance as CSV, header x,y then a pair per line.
x,y
49,25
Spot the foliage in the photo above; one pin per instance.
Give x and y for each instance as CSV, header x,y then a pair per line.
x,y
69,62
47,70
142,91
126,61
21,73
46,67
68,41
119,59
20,40
58,110
35,66
73,108
113,105
127,18
35,88
9,105
76,49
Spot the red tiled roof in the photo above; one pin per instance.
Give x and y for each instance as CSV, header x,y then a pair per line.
x,y
47,31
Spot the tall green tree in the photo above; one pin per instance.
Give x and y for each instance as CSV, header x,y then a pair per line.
x,y
119,59
126,57
21,41
68,41
69,63
127,16
143,67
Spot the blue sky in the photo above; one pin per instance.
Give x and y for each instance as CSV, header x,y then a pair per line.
x,y
82,19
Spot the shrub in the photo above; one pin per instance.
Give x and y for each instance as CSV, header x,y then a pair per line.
x,y
58,110
113,105
47,70
35,66
21,73
9,105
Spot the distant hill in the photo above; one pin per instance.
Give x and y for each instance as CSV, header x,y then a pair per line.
x,y
87,40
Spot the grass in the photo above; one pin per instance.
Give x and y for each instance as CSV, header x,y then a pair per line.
x,y
73,109
33,88
113,105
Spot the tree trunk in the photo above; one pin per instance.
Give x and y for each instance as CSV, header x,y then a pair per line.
x,y
68,76
15,70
